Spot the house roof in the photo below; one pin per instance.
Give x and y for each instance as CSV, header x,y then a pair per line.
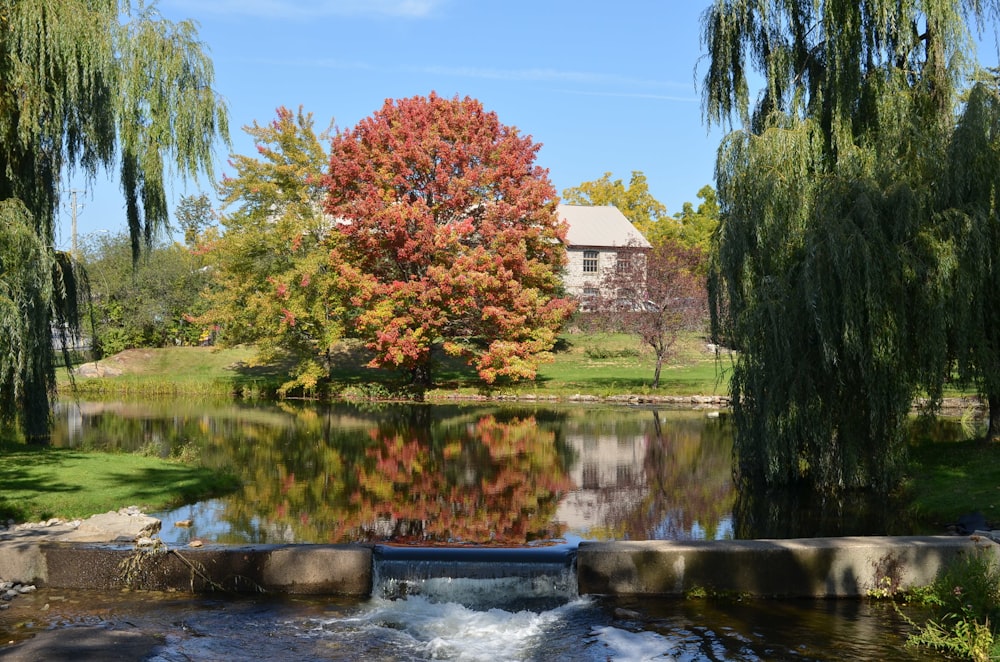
x,y
599,226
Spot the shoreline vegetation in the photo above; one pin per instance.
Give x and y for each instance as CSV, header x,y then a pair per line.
x,y
606,368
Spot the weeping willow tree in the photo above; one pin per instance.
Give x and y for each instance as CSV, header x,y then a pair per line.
x,y
969,223
827,274
85,86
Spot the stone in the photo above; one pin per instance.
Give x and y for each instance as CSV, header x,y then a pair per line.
x,y
125,525
95,369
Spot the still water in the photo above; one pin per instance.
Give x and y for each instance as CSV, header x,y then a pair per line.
x,y
499,474
510,475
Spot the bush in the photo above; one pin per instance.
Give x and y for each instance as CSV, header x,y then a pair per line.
x,y
604,353
966,601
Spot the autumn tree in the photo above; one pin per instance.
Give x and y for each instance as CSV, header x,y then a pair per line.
x,y
655,295
450,238
88,85
827,275
277,264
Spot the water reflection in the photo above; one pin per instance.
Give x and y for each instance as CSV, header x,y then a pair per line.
x,y
431,473
501,474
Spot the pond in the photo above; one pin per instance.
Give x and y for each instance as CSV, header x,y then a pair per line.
x,y
501,474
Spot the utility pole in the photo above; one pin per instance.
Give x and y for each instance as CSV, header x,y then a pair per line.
x,y
74,207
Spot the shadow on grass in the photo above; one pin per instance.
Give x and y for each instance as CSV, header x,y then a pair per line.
x,y
18,478
36,480
188,484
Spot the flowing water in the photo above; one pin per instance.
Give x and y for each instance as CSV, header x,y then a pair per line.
x,y
414,480
487,620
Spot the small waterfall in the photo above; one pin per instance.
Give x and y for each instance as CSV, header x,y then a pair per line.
x,y
477,577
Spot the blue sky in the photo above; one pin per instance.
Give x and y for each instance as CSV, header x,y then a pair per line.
x,y
605,87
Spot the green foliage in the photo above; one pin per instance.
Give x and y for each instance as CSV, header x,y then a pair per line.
x,y
966,602
608,353
195,215
145,303
827,273
277,280
969,225
26,298
634,200
90,85
694,227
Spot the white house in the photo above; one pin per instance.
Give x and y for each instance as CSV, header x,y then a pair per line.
x,y
597,239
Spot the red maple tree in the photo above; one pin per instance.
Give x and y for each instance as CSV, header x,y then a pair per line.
x,y
450,238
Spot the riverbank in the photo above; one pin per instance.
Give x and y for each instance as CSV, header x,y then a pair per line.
x,y
600,365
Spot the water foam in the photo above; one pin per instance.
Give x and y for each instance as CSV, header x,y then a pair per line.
x,y
452,631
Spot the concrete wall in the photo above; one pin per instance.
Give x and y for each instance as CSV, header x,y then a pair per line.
x,y
820,567
814,567
299,569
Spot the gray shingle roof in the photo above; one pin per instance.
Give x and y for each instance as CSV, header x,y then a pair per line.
x,y
599,226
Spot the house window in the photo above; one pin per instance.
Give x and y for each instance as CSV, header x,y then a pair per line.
x,y
590,292
624,264
590,262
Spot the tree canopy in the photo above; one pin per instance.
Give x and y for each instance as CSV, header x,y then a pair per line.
x,y
450,238
88,85
828,274
147,302
634,201
694,226
277,282
969,224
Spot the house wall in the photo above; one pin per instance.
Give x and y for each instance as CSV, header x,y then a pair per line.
x,y
574,278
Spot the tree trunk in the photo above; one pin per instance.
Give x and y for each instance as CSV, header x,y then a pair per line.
x,y
993,403
656,373
420,379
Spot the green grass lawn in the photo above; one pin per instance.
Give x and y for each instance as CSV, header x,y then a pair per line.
x,y
609,364
40,482
593,364
947,479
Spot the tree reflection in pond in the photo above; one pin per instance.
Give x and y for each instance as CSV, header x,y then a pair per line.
x,y
434,474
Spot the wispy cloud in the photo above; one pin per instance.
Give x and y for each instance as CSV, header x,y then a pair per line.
x,y
651,88
540,75
633,95
298,9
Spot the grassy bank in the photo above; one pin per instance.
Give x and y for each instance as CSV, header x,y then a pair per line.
x,y
40,483
584,364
